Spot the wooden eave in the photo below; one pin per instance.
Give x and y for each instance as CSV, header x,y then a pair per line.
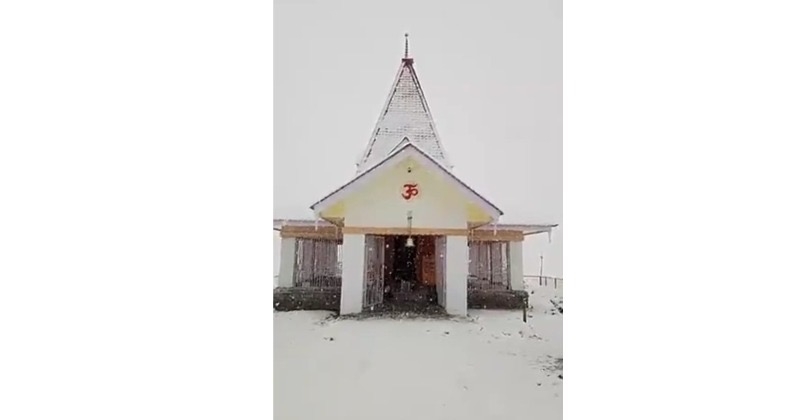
x,y
325,230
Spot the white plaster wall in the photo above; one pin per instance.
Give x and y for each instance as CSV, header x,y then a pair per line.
x,y
380,204
287,262
456,275
516,266
353,255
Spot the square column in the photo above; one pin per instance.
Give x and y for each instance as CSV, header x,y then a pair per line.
x,y
353,254
457,275
286,267
516,265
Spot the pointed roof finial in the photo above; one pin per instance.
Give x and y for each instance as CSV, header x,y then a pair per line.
x,y
406,60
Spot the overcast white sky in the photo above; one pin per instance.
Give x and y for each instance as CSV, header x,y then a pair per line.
x,y
491,72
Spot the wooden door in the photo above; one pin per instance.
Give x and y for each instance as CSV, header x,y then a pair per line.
x,y
426,261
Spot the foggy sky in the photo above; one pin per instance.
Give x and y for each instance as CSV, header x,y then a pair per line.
x,y
491,73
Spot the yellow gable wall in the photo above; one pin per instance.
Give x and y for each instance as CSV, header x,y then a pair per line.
x,y
477,215
380,204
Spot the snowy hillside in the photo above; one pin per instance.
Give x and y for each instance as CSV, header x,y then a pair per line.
x,y
491,365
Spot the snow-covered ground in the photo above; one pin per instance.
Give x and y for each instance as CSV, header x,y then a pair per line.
x,y
490,365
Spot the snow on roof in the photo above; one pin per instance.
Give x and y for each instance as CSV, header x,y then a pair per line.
x,y
405,114
280,223
527,229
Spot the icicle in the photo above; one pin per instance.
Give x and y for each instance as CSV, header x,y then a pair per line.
x,y
315,224
495,227
549,235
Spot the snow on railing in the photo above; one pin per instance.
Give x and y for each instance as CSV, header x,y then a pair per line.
x,y
544,281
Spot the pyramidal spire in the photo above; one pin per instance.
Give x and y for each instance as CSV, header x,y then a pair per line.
x,y
405,114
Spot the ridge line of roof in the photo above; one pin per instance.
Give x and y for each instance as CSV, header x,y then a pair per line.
x,y
382,113
428,111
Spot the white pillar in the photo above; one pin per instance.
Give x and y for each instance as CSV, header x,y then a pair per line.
x,y
516,265
353,274
286,267
457,275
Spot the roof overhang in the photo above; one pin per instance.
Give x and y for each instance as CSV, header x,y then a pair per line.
x,y
323,228
278,224
408,149
527,229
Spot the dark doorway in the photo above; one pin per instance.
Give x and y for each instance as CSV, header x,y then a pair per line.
x,y
404,266
408,281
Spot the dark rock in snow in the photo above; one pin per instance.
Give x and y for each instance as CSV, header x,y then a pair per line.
x,y
557,305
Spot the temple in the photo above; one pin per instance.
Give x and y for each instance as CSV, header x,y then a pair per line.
x,y
404,230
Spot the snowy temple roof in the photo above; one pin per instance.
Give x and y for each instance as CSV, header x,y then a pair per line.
x,y
404,115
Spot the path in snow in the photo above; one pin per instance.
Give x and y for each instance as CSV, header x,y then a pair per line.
x,y
492,365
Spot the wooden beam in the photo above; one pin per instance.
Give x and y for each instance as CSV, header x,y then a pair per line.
x,y
500,235
309,232
332,232
359,230
473,235
302,229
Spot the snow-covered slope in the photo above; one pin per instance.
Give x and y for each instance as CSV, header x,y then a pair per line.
x,y
542,299
491,365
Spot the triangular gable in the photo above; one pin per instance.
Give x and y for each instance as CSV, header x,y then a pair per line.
x,y
405,114
428,161
401,144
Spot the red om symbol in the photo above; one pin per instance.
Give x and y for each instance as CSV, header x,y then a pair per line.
x,y
410,190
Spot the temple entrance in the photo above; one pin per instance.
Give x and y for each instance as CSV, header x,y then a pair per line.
x,y
410,272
